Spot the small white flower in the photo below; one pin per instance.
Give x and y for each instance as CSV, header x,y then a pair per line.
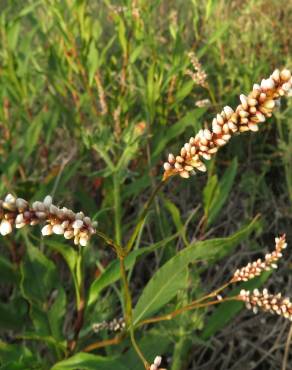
x,y
47,230
10,198
77,224
48,201
58,229
5,227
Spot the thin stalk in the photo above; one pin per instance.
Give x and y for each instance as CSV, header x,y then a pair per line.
x,y
142,216
80,300
287,345
104,343
117,248
212,294
128,312
127,294
118,210
179,311
137,349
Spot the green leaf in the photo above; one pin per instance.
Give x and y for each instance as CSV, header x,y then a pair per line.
x,y
175,214
164,283
38,276
8,274
228,310
86,361
17,357
112,272
41,287
56,314
66,251
184,91
162,138
216,193
32,135
92,61
152,343
13,315
13,35
122,35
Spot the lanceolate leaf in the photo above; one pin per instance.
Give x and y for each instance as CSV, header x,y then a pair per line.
x,y
216,193
41,287
112,272
86,361
164,284
163,138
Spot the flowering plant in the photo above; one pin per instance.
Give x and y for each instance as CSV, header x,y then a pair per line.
x,y
16,212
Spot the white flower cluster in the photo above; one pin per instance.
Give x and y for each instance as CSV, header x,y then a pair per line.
x,y
265,301
16,212
253,110
114,325
255,268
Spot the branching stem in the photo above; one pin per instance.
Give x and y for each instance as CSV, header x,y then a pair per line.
x,y
179,311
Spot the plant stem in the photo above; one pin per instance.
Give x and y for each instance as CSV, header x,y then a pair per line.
x,y
142,216
212,294
117,248
128,312
80,300
189,307
104,343
118,211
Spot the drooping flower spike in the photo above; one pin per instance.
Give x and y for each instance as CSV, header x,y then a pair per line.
x,y
253,110
16,212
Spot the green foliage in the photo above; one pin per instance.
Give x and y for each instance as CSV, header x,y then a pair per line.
x,y
166,281
216,192
87,361
94,95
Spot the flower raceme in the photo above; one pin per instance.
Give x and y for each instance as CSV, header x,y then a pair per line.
x,y
255,268
16,212
265,301
253,110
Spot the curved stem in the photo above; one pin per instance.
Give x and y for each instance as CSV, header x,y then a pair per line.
x,y
117,248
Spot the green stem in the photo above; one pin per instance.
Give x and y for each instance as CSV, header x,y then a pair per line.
x,y
180,353
118,210
142,216
129,312
80,299
117,248
127,294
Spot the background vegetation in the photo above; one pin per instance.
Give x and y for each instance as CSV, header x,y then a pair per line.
x,y
93,95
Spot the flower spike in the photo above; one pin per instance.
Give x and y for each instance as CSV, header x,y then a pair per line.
x,y
16,212
253,109
257,267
